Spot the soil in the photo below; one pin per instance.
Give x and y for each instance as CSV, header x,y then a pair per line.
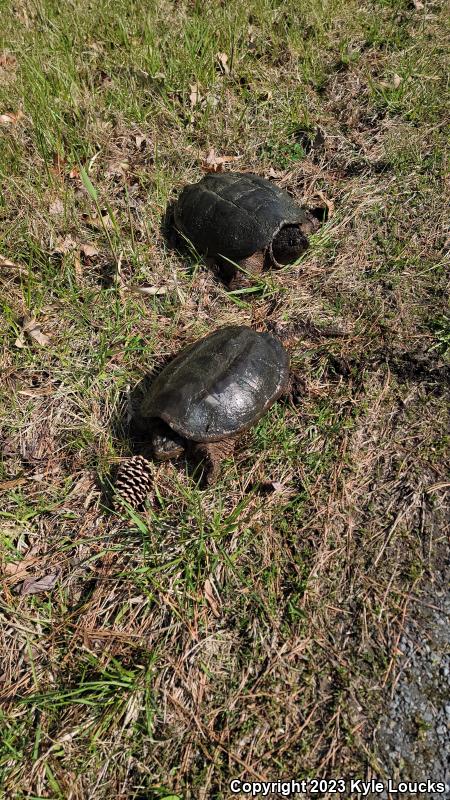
x,y
414,736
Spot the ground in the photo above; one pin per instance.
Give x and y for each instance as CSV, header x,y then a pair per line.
x,y
251,629
414,735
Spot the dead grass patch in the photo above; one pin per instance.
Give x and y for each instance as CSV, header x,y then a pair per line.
x,y
249,629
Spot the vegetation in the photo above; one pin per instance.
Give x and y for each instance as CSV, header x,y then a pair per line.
x,y
249,629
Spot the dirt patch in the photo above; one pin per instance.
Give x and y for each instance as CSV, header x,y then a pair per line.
x,y
413,736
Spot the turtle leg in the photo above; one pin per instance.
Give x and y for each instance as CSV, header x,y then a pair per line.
x,y
240,278
310,224
165,442
295,388
173,238
211,455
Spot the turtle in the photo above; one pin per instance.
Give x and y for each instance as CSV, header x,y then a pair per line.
x,y
242,220
213,391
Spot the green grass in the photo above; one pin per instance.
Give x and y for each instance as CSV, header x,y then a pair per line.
x,y
191,642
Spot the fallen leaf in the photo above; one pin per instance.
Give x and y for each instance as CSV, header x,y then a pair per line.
x,y
78,269
5,262
34,332
11,119
223,63
418,5
96,47
140,141
74,173
211,598
65,246
117,168
43,391
34,585
32,329
14,568
276,487
150,290
159,76
20,341
214,163
7,60
397,80
12,483
17,571
134,708
88,250
57,166
98,221
57,207
195,96
329,204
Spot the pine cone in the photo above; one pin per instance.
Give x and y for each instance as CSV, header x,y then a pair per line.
x,y
133,482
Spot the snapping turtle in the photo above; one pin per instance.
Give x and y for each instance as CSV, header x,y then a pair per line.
x,y
242,218
211,392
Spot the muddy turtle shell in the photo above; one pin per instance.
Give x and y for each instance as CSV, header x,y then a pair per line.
x,y
234,214
220,385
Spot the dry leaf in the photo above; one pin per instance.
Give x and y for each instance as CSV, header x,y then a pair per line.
x,y
223,63
12,483
17,571
57,166
57,207
43,391
150,290
95,47
418,5
98,222
88,250
195,96
5,262
65,246
74,173
211,598
7,60
214,163
326,200
34,585
276,487
78,269
140,140
397,80
11,119
117,168
32,329
15,568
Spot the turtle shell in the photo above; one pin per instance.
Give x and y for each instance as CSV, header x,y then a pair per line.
x,y
220,385
234,214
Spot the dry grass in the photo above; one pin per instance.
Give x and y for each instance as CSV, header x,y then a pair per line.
x,y
250,629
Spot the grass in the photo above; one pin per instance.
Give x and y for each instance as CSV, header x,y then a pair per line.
x,y
249,629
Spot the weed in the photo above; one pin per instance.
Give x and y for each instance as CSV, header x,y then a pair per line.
x,y
223,632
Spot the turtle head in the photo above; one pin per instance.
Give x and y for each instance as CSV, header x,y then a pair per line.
x,y
288,244
165,442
